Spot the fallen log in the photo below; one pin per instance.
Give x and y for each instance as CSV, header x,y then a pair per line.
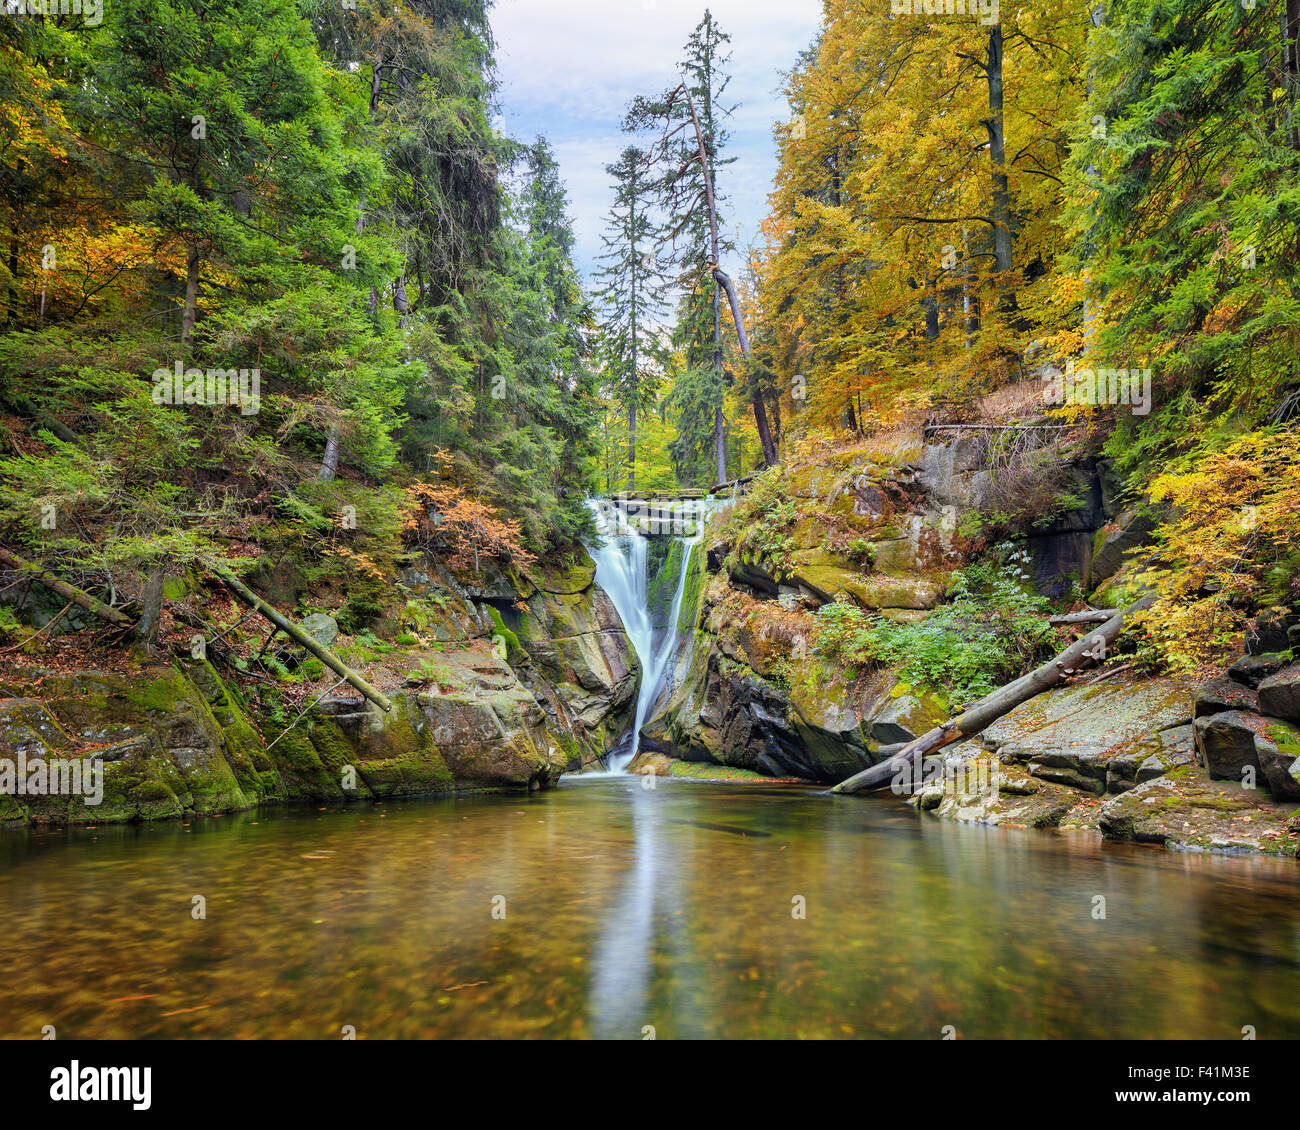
x,y
988,710
300,637
114,616
1089,616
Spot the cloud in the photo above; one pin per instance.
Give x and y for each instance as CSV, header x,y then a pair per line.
x,y
568,68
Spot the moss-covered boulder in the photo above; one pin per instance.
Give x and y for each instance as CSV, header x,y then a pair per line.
x,y
1094,737
1279,695
1277,750
163,751
1187,809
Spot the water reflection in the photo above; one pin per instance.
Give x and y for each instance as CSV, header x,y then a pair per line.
x,y
626,907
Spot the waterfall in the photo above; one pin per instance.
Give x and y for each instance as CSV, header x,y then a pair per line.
x,y
622,569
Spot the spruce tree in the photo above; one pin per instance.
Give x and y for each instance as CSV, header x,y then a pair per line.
x,y
632,296
687,187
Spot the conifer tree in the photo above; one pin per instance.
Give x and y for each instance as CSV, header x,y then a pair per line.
x,y
632,296
691,116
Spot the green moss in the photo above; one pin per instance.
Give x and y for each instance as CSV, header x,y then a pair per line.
x,y
513,649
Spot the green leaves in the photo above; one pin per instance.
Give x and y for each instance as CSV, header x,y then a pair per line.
x,y
992,631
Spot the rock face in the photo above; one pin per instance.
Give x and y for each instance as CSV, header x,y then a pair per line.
x,y
1064,760
1130,530
483,707
178,740
730,703
1249,736
753,695
577,659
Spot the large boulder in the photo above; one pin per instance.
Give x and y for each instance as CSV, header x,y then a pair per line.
x,y
1279,695
1226,743
164,751
323,628
1278,752
1218,695
1186,809
1251,670
822,728
1270,631
1094,738
178,740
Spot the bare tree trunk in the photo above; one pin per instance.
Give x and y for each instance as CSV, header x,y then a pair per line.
x,y
401,303
720,277
147,626
69,592
760,410
631,408
988,710
190,311
995,124
329,466
300,637
632,446
719,442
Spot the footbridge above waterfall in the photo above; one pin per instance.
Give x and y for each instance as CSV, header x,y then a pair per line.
x,y
668,513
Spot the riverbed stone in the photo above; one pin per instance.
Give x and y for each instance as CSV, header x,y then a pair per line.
x,y
974,789
1092,738
1187,809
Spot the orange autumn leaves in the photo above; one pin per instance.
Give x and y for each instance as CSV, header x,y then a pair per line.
x,y
464,529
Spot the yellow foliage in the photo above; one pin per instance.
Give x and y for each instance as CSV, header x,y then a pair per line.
x,y
1231,541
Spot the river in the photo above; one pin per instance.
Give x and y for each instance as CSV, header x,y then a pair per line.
x,y
606,909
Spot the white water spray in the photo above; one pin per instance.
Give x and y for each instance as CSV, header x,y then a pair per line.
x,y
622,570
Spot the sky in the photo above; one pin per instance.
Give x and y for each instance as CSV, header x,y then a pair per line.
x,y
568,68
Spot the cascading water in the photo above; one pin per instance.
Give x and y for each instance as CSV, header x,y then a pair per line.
x,y
622,569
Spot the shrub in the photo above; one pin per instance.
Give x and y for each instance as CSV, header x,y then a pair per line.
x,y
992,632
